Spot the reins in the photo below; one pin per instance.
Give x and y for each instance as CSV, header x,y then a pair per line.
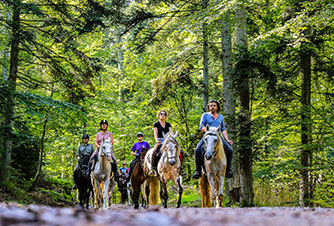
x,y
211,133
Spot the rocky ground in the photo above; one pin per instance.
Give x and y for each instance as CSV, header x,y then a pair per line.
x,y
12,214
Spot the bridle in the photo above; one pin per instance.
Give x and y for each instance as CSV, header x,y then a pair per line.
x,y
167,149
211,133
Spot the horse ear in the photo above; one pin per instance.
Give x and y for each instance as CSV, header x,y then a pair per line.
x,y
176,134
207,127
218,129
163,135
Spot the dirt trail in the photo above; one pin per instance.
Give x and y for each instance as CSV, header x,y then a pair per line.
x,y
124,215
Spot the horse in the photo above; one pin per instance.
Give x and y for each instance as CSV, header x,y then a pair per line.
x,y
138,177
215,165
123,188
101,175
169,167
83,182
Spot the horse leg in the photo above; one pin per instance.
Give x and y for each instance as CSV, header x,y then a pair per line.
x,y
211,180
180,191
136,192
163,194
220,193
80,190
105,194
95,195
147,192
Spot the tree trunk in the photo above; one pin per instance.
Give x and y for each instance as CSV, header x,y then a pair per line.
x,y
120,67
205,59
306,129
229,103
9,111
41,149
6,55
244,145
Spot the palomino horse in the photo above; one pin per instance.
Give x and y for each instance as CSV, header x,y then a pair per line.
x,y
169,167
101,175
83,182
215,165
138,177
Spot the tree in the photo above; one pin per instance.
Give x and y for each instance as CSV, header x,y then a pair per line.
x,y
229,97
244,120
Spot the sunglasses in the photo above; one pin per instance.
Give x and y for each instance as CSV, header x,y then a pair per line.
x,y
163,114
140,136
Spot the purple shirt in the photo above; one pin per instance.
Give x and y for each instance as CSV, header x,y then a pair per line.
x,y
137,146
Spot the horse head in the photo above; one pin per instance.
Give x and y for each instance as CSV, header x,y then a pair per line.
x,y
211,139
171,147
106,148
143,154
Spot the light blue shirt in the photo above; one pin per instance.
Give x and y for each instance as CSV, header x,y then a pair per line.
x,y
207,119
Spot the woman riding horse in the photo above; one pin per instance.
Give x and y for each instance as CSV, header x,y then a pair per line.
x,y
104,134
160,128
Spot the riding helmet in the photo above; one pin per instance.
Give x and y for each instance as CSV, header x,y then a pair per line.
x,y
103,122
140,134
85,136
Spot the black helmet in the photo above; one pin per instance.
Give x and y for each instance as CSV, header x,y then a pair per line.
x,y
103,122
140,134
85,136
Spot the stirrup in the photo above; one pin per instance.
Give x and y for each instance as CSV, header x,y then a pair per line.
x,y
197,175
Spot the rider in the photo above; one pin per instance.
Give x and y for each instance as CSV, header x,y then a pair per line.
x,y
104,133
123,170
213,119
84,149
136,149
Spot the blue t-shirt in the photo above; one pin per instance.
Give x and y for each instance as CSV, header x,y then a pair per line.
x,y
137,146
123,169
207,119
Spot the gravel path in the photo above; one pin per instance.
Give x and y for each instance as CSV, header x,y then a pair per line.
x,y
11,214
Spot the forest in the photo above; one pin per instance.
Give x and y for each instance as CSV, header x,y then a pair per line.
x,y
68,64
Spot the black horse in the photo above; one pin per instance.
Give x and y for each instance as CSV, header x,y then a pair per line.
x,y
83,182
122,188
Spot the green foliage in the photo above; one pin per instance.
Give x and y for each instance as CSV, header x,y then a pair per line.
x,y
124,61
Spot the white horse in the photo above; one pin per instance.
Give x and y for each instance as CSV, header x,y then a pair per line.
x,y
169,167
215,165
100,176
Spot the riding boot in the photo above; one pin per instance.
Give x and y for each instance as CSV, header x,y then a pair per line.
x,y
75,177
114,169
129,173
91,165
156,160
198,160
182,173
229,173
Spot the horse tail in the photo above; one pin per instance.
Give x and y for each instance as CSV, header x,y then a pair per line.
x,y
205,191
154,190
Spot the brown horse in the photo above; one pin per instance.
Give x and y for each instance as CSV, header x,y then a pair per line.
x,y
215,165
138,177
